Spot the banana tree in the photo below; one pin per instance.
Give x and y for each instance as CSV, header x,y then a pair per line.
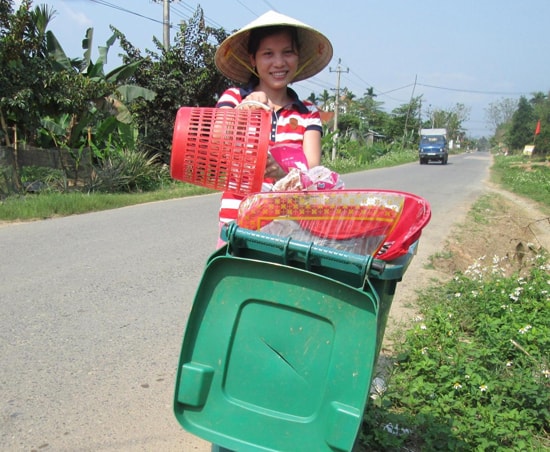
x,y
110,93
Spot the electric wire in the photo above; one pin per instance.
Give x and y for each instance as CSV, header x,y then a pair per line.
x,y
124,10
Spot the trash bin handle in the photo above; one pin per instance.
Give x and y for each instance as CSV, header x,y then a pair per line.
x,y
307,253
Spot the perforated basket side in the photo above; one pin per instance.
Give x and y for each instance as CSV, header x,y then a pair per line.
x,y
222,149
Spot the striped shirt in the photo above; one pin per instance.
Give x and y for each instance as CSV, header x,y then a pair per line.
x,y
288,125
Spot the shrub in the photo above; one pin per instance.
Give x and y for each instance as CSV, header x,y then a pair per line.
x,y
37,179
128,171
474,370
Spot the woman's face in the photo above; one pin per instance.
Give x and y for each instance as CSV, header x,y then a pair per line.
x,y
276,60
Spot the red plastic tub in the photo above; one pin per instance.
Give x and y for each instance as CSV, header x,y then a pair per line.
x,y
383,223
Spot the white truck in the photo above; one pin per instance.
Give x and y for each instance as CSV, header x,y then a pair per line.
x,y
433,146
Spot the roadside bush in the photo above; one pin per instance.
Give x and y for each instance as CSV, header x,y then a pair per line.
x,y
129,171
37,179
474,370
353,157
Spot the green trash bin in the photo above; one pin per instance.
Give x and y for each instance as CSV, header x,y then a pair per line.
x,y
281,343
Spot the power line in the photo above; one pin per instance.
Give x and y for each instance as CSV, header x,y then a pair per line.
x,y
323,85
190,12
124,10
471,91
270,5
247,8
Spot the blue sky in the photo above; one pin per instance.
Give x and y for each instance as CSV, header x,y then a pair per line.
x,y
472,52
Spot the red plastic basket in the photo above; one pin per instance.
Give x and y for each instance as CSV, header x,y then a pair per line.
x,y
221,148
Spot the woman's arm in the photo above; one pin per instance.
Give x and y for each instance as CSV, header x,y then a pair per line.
x,y
312,147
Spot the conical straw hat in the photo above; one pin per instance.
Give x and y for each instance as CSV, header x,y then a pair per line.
x,y
315,49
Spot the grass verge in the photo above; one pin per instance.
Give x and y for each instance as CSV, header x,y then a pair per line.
x,y
56,204
525,176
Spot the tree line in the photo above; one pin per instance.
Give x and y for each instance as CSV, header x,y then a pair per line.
x,y
522,122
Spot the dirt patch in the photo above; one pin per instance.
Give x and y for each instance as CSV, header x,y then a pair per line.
x,y
501,226
528,166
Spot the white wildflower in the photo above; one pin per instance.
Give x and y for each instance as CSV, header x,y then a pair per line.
x,y
525,329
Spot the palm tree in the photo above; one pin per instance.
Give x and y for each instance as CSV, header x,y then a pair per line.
x,y
23,66
40,18
325,98
347,98
370,92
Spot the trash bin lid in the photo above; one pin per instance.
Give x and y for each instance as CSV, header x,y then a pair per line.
x,y
275,358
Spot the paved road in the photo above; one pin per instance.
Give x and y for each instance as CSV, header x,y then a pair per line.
x,y
450,188
93,307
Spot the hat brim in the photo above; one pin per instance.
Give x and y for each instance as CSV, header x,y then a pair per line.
x,y
232,58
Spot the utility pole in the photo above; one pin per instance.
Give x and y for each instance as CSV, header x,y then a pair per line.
x,y
165,22
409,110
338,71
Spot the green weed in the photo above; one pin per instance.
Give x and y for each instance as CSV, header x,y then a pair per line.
x,y
524,176
474,370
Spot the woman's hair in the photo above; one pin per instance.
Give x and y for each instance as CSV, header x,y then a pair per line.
x,y
256,36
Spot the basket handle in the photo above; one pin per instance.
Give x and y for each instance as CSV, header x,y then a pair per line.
x,y
255,103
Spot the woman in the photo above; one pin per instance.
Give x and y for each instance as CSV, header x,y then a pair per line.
x,y
267,55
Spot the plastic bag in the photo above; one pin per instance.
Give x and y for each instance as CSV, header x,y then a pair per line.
x,y
321,178
289,155
316,178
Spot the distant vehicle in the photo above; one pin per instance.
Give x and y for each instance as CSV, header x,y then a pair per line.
x,y
433,146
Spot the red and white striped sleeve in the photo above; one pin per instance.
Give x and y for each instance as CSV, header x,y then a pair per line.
x,y
230,98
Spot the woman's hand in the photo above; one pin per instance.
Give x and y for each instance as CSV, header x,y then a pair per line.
x,y
273,170
255,100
